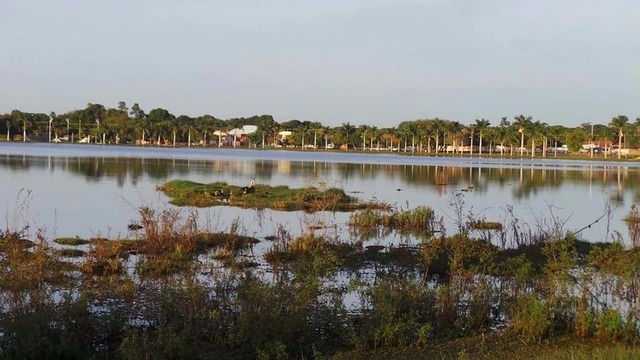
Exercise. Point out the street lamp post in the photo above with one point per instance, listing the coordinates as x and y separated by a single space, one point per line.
50 121
521 131
591 139
364 140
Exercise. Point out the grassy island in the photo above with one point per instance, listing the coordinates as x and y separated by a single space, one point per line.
189 193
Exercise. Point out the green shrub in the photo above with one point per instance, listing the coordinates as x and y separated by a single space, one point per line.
609 325
531 318
401 314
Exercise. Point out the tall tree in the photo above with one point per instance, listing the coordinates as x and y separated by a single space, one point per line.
21 118
140 120
160 122
122 106
481 125
501 136
304 129
137 112
618 124
556 133
315 127
522 123
455 129
7 124
364 129
265 127
437 125
346 129
18 117
471 129
536 131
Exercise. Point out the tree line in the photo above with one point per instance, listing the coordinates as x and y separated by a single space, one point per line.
520 134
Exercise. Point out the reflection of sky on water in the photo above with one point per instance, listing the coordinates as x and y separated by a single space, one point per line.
94 190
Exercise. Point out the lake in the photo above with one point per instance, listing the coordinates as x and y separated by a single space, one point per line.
92 190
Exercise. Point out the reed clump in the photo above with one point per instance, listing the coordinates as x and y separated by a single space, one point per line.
485 225
420 220
105 258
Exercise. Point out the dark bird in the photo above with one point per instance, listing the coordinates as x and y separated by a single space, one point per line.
134 226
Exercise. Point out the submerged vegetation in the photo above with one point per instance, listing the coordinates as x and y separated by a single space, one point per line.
180 291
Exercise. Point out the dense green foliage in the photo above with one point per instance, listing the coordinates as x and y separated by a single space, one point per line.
159 127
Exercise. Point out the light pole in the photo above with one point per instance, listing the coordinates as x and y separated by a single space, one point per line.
67 129
364 139
97 136
591 139
521 131
50 120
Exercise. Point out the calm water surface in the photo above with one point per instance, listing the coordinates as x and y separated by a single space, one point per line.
87 190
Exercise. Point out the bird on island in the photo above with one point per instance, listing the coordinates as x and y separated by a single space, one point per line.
134 226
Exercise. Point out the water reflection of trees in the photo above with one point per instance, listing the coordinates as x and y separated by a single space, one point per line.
523 182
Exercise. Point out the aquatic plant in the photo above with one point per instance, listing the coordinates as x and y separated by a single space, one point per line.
370 222
72 241
317 296
189 193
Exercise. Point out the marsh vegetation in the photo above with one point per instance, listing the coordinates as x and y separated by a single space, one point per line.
178 290
309 198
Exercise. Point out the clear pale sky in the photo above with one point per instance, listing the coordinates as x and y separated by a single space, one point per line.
375 62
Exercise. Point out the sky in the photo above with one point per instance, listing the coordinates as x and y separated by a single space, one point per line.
375 62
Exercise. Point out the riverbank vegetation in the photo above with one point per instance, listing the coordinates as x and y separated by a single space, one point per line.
179 291
517 136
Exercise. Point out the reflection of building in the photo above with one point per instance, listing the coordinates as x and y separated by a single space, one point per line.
284 167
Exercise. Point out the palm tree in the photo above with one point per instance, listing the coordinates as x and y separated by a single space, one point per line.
315 126
480 126
618 124
374 134
409 129
326 131
556 132
501 136
426 134
472 131
454 129
264 128
346 129
304 128
19 116
414 130
536 130
437 125
489 135
522 123
364 129
389 135
403 133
